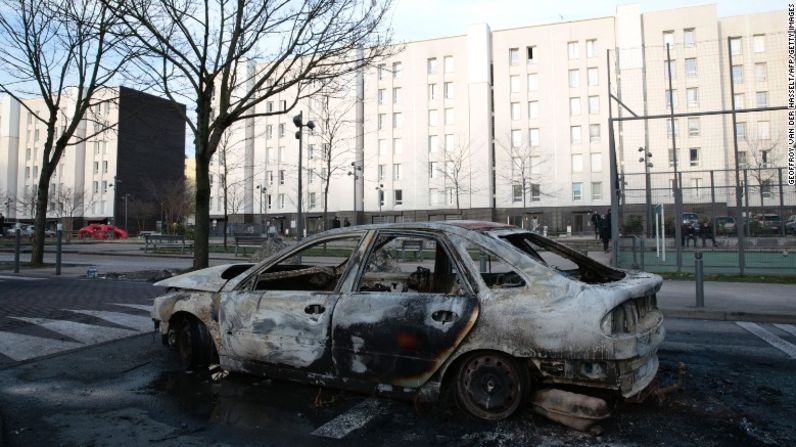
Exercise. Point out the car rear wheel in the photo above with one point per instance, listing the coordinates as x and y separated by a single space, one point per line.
192 341
491 385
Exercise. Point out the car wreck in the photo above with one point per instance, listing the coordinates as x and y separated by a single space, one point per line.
490 312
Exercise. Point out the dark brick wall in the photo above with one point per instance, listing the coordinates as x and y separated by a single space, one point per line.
151 153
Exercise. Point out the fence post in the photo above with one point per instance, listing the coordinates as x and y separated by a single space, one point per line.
781 205
712 202
17 243
59 233
740 222
700 277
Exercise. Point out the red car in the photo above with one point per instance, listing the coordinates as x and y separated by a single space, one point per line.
101 231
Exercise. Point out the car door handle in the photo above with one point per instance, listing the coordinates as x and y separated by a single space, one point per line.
314 309
444 316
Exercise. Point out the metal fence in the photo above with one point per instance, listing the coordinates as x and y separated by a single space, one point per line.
698 133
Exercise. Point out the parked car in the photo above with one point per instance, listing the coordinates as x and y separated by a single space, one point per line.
725 225
790 225
769 224
489 311
691 218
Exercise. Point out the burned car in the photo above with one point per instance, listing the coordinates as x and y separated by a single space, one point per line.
488 311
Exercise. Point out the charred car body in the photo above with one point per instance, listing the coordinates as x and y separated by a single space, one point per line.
488 311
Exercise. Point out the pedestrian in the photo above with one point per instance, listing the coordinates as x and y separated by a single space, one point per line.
336 222
2 225
346 223
595 222
706 232
535 224
605 230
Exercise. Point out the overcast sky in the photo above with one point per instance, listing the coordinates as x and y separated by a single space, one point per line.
425 19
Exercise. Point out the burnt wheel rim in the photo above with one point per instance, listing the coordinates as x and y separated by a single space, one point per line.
489 387
185 344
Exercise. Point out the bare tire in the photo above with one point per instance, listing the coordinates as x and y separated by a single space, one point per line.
491 386
192 341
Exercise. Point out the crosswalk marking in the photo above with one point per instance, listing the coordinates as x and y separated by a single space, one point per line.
136 322
146 307
20 278
768 337
23 347
355 418
82 332
789 328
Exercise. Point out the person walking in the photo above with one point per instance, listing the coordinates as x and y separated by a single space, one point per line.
605 230
595 222
706 232
2 225
346 222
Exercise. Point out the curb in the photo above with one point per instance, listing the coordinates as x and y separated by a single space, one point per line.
692 313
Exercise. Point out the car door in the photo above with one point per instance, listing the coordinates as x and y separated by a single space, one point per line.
281 315
405 311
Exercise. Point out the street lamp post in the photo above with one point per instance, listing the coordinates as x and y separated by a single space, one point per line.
262 189
645 158
380 198
354 176
126 196
298 120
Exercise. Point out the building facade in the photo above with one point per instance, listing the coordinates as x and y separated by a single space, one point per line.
510 124
127 153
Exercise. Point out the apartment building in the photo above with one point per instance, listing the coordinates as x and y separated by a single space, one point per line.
129 148
510 124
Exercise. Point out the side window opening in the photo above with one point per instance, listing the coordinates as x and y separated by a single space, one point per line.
316 268
496 272
410 264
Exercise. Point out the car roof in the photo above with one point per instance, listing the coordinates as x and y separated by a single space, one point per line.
454 226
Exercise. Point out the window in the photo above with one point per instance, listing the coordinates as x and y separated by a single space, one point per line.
742 159
281 176
690 67
396 95
514 56
382 73
431 65
516 138
592 77
693 156
577 191
450 117
433 118
740 130
105 166
739 100
689 39
380 172
671 158
761 72
433 143
514 83
692 96
449 90
283 105
533 109
433 166
398 197
574 78
735 46
574 106
594 105
737 74
269 106
533 82
577 163
530 54
310 151
27 175
432 92
669 127
268 201
761 99
696 184
516 193
574 134
397 146
596 162
27 154
668 38
396 171
311 200
515 111
396 70
397 120
763 130
596 190
281 200
759 43
594 133
671 96
381 96
381 197
281 130
666 65
96 167
95 184
536 192
693 127
449 64
269 176
269 131
104 186
382 148
591 48
533 137
572 50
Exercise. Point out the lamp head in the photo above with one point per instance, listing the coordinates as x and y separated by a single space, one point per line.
310 125
297 120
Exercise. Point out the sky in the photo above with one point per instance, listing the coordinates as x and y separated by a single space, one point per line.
427 19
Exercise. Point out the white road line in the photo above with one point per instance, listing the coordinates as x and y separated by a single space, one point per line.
82 332
146 307
768 337
789 328
356 417
23 347
20 278
136 322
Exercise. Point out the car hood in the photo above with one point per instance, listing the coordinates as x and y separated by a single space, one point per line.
211 279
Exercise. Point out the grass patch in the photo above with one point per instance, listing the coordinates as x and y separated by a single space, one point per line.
770 279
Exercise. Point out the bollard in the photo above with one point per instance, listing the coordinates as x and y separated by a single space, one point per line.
18 230
700 279
59 233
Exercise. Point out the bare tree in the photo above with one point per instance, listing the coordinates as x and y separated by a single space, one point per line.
763 155
522 172
334 125
63 52
457 171
65 203
202 52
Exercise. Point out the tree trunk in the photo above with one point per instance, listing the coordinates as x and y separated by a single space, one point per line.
326 204
42 194
202 224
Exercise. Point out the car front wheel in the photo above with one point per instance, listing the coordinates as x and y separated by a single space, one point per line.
192 341
491 385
